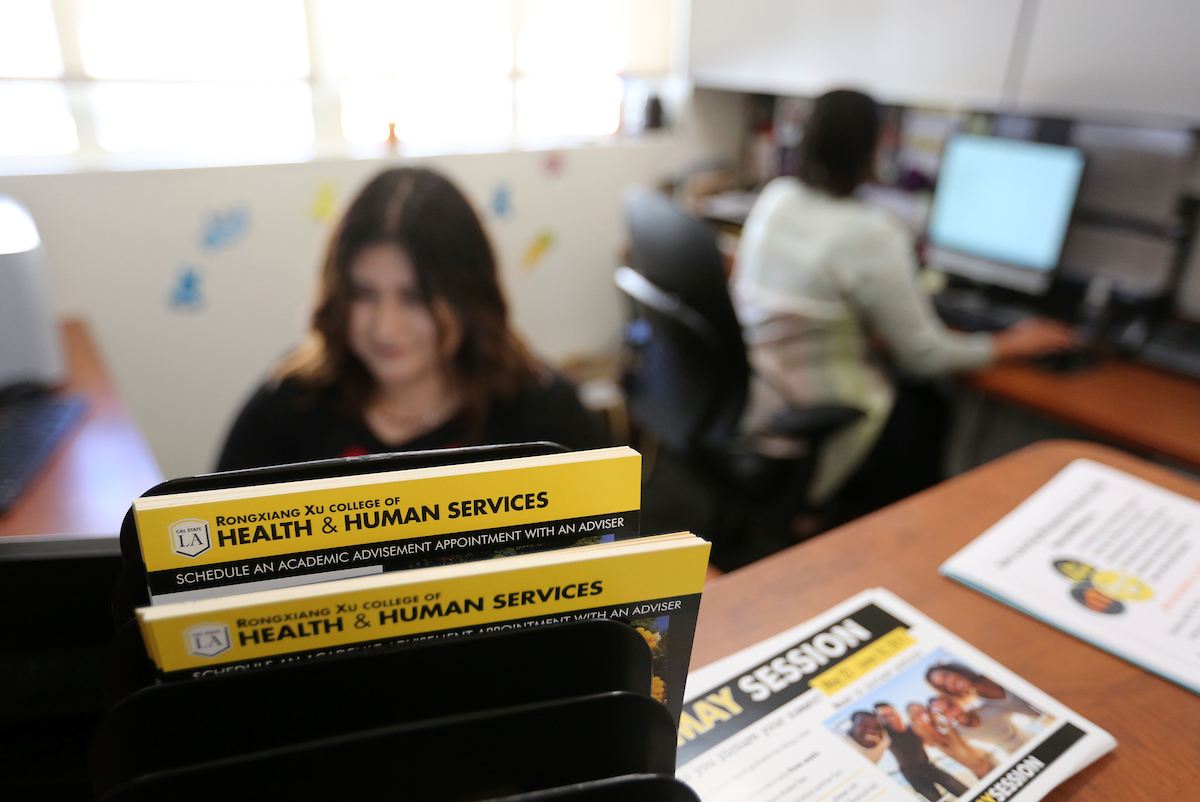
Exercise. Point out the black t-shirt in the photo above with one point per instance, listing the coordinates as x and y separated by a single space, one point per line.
908 748
281 423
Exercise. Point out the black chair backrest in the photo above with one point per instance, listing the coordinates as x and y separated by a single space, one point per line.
689 379
678 253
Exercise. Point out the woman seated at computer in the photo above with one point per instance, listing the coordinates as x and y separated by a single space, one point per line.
826 287
410 346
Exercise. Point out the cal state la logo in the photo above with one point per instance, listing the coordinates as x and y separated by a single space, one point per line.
207 640
189 537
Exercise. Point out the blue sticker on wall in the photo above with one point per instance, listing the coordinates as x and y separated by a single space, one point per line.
225 229
187 293
501 204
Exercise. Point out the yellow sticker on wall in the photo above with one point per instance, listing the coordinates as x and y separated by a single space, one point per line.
537 249
324 205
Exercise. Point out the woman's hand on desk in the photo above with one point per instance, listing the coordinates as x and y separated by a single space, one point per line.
1034 337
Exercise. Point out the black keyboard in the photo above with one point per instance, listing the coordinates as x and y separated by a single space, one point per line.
1174 347
970 312
29 431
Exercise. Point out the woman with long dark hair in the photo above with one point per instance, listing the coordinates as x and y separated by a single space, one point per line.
825 287
410 346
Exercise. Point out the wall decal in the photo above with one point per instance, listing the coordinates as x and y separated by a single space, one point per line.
187 292
227 228
537 249
501 203
554 163
324 204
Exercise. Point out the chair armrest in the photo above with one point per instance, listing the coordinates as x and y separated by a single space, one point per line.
668 304
816 421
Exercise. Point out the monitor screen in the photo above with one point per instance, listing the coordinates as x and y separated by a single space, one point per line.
1004 200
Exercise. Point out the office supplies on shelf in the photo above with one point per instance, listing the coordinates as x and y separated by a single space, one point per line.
30 429
878 699
730 207
1105 556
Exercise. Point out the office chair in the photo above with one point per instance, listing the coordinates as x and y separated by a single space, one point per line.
687 380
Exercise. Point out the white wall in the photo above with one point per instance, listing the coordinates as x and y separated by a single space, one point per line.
117 241
1110 60
1113 59
936 52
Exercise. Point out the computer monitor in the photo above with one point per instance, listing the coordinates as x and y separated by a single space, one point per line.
1001 209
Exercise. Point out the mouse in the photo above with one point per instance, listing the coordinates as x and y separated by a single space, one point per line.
1066 361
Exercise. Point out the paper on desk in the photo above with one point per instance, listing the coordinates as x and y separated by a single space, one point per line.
794 718
1105 556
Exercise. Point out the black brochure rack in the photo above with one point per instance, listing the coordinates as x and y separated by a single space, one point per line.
560 712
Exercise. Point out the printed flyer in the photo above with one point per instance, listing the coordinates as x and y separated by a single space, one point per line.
1105 556
874 701
210 543
652 583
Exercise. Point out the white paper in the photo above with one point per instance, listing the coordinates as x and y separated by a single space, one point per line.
1106 556
765 725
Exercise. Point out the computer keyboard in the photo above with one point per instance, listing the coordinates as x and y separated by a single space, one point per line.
969 311
29 431
1175 348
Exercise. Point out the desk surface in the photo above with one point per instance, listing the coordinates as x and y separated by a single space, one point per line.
1148 410
900 548
100 467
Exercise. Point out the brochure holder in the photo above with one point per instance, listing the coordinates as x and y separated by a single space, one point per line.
246 711
561 712
630 788
469 757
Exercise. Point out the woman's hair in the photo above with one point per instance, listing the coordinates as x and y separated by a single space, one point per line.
426 216
837 151
971 676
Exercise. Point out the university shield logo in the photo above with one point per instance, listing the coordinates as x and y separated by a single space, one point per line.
189 537
207 640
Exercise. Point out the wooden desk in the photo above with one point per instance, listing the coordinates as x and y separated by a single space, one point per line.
1147 410
900 547
83 493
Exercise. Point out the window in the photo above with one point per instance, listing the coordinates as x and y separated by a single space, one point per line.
212 40
437 71
569 54
29 41
37 119
35 116
235 120
237 80
222 78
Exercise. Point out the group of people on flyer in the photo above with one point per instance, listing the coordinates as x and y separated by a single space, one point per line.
968 707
